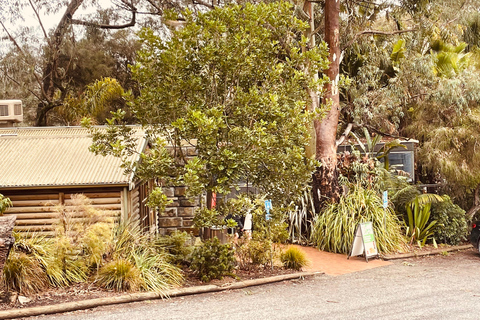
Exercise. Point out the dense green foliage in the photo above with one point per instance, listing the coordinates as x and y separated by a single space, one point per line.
334 228
178 245
422 84
213 260
451 225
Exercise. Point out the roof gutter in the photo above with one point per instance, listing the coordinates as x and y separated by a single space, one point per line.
69 186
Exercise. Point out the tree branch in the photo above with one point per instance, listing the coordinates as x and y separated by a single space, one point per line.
203 3
106 26
376 32
153 4
15 43
476 203
384 133
39 20
18 83
344 134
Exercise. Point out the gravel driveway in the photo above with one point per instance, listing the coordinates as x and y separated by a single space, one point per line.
439 287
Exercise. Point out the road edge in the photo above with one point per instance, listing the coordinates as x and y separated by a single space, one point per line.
143 296
425 253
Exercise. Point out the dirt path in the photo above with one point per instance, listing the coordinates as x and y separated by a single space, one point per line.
337 264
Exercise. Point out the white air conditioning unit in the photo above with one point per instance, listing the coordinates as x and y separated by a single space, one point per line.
11 111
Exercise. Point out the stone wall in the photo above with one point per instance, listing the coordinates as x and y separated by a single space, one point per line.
179 214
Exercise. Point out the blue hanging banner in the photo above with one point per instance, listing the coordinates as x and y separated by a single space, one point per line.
268 207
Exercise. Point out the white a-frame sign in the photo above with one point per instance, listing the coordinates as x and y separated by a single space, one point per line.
364 241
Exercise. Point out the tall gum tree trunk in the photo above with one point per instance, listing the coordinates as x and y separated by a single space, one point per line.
325 178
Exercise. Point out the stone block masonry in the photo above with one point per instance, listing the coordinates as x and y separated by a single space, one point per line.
179 214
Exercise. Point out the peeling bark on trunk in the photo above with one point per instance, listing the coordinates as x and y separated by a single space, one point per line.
314 99
6 238
325 179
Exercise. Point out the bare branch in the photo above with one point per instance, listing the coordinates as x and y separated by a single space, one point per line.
344 134
153 4
18 83
39 20
106 26
203 3
376 32
11 38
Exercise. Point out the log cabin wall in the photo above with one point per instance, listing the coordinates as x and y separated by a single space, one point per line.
35 209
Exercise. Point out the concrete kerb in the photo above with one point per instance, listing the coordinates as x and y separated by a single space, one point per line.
425 253
142 296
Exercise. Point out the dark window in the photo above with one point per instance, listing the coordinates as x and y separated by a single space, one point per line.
17 109
3 110
402 161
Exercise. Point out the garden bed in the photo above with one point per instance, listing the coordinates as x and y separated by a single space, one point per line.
86 291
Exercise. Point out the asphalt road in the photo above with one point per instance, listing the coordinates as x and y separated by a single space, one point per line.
441 287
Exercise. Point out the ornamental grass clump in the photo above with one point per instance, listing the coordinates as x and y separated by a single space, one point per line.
23 273
334 228
294 258
87 246
120 275
137 263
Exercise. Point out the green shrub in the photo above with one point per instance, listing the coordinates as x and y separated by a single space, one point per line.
24 273
177 245
334 228
294 258
5 203
253 253
212 260
120 275
451 225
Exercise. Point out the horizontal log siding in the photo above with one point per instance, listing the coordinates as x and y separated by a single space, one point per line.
36 212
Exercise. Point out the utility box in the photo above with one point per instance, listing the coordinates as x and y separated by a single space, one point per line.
11 112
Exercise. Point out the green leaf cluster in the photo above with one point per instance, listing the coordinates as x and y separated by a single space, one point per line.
5 203
419 228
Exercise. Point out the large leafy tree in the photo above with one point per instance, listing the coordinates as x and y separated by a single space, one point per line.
233 82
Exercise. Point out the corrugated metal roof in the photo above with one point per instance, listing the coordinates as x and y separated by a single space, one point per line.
57 156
